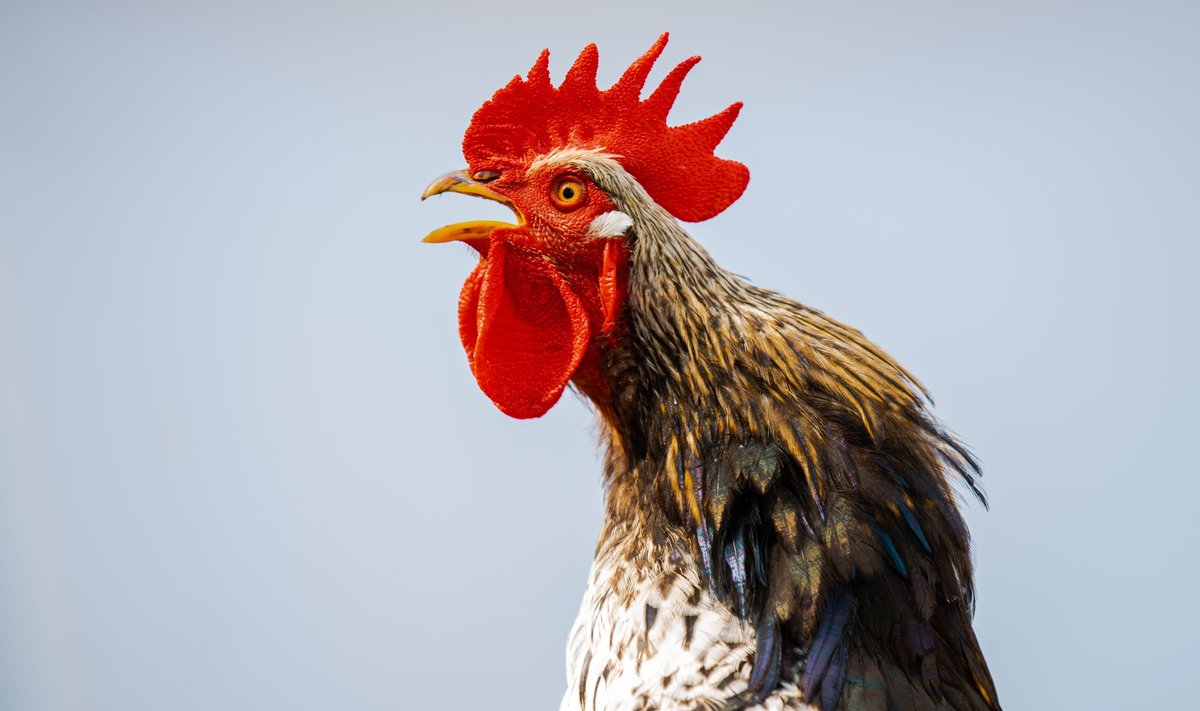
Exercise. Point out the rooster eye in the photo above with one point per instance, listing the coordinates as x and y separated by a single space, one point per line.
569 193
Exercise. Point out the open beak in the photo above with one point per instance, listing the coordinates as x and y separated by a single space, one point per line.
460 181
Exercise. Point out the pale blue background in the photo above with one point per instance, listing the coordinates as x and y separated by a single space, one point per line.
243 464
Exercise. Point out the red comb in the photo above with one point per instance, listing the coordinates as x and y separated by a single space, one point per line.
675 165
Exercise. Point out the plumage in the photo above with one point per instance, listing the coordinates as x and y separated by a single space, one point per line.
781 529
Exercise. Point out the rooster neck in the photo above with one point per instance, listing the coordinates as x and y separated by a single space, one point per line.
682 334
669 376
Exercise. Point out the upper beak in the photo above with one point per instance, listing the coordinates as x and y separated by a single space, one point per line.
460 181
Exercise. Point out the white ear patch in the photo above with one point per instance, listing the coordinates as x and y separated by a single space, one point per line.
610 224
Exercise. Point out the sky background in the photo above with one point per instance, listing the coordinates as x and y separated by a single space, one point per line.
244 465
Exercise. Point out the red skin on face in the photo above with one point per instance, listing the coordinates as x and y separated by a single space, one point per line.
544 299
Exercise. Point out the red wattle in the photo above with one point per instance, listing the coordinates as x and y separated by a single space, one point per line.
523 328
614 273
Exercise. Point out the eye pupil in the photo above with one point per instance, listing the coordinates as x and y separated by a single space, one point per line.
568 193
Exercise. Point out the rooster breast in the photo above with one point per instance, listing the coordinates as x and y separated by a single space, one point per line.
650 635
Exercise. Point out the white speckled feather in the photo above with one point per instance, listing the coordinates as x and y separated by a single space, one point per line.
689 652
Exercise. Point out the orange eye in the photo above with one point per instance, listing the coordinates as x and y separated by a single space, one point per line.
569 193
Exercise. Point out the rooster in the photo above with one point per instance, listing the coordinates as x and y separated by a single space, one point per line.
779 529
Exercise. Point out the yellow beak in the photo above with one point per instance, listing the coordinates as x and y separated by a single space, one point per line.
460 182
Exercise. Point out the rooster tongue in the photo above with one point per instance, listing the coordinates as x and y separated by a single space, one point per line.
524 328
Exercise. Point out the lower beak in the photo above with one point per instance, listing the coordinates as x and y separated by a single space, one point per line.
460 182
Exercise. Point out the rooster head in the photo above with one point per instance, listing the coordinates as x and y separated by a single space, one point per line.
577 166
